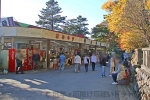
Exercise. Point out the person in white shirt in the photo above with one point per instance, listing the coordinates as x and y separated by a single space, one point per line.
86 62
77 61
93 60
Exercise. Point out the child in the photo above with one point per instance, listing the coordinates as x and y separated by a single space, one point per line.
86 62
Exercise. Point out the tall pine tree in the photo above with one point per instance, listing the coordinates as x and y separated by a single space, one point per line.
76 26
50 17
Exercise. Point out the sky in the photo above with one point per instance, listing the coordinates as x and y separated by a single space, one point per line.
27 11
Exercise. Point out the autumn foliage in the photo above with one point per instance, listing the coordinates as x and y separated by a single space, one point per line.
128 19
108 5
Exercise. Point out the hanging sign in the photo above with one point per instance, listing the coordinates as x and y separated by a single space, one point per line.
8 21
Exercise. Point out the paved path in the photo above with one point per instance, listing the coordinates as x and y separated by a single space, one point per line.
52 85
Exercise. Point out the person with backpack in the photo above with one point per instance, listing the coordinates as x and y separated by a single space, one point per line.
86 62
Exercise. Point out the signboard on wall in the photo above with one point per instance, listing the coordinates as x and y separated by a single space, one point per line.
8 21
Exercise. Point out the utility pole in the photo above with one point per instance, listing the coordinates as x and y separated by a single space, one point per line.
0 11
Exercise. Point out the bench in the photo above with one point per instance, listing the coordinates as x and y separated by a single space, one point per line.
126 79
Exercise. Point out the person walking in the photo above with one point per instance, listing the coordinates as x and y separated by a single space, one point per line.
86 62
104 63
77 61
62 62
93 60
19 58
36 59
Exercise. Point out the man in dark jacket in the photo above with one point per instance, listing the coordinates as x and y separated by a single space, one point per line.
36 59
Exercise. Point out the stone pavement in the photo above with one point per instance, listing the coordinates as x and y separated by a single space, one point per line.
52 85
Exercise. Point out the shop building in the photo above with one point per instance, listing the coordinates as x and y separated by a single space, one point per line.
16 35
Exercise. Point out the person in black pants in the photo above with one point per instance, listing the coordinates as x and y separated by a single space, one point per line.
104 63
19 58
93 60
86 62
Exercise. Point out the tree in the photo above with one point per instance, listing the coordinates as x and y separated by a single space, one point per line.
128 17
50 17
128 42
101 33
108 5
76 26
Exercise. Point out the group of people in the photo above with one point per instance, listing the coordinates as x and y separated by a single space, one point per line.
77 62
93 59
20 58
117 68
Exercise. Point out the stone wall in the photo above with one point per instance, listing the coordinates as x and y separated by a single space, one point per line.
133 86
140 75
143 83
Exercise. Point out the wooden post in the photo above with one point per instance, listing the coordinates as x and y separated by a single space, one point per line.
41 45
12 42
29 44
2 42
80 48
95 49
48 53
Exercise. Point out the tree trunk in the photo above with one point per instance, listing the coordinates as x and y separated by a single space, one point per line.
52 23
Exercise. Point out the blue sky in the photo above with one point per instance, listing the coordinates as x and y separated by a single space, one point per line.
27 10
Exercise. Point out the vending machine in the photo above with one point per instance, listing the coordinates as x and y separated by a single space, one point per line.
11 60
25 61
29 57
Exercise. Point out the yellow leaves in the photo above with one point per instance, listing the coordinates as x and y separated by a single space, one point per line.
147 4
130 41
108 5
115 17
127 19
